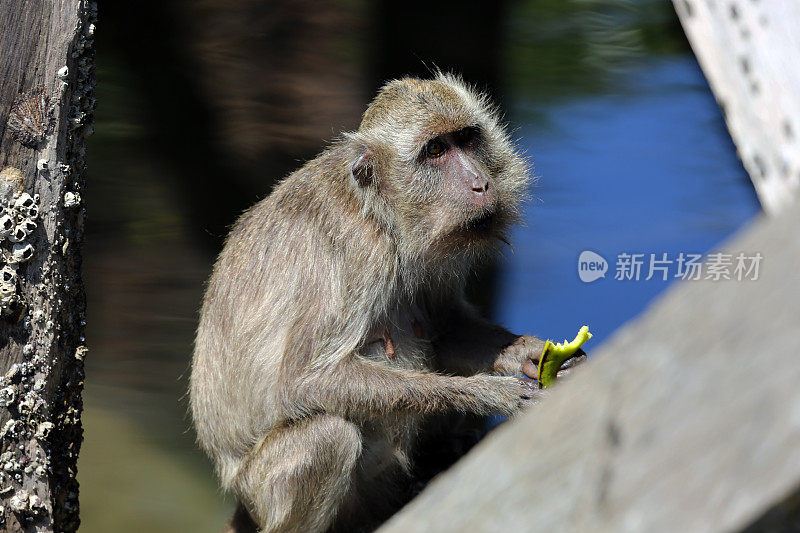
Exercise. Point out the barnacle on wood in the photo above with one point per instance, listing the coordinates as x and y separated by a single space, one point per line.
31 117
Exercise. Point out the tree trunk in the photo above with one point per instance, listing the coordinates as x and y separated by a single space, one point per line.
46 106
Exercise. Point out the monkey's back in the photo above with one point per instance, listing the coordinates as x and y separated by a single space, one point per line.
288 265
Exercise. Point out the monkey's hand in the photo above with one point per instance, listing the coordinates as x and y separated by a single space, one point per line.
514 394
554 355
524 354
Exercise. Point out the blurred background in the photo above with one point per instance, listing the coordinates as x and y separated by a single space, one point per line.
204 104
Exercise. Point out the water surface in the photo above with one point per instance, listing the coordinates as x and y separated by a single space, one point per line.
650 170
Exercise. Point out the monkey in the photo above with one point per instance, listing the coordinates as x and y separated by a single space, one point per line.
335 336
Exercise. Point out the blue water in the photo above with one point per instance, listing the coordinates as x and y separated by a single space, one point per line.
652 170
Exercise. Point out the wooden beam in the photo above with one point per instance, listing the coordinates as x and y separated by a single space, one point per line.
688 419
748 51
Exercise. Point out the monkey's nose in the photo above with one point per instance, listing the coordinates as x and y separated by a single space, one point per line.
480 187
482 195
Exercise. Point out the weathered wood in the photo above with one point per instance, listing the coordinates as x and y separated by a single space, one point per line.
749 52
686 420
46 54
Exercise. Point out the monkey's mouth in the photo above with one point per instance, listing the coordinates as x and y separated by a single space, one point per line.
481 224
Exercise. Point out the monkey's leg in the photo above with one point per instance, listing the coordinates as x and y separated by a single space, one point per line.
240 522
442 440
297 477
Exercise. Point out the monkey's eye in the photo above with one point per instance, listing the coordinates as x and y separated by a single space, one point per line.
467 136
435 148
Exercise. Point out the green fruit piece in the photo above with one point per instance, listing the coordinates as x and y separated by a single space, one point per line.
554 355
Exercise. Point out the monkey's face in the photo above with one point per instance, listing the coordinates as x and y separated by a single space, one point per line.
453 192
443 171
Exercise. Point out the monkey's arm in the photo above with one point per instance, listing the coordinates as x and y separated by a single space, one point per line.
467 344
358 388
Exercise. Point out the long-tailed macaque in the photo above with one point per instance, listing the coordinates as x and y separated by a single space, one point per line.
335 339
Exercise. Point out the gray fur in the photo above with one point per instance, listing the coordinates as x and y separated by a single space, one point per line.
310 417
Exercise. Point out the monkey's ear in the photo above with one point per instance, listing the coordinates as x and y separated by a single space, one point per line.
362 170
